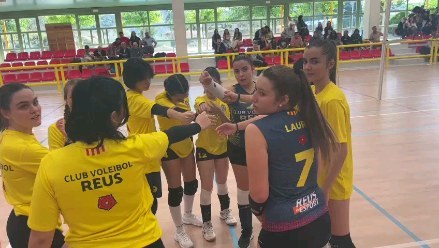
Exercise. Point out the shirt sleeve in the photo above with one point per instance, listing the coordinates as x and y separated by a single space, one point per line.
198 102
56 138
336 116
154 145
31 157
44 210
142 107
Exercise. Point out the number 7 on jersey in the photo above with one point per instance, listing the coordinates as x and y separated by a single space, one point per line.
308 156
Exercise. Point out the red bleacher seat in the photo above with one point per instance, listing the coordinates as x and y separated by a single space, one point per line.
55 61
49 76
101 71
410 37
9 78
17 64
23 56
277 39
23 77
249 49
222 64
241 50
366 54
169 68
376 53
58 54
345 55
247 42
35 77
35 55
355 55
11 57
29 63
80 52
276 60
42 62
184 67
171 55
308 38
160 69
74 74
66 61
269 60
70 54
427 36
46 55
5 65
86 73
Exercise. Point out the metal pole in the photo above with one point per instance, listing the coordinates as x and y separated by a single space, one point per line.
384 49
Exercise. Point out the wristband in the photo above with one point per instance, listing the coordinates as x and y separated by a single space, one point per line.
257 208
216 89
239 97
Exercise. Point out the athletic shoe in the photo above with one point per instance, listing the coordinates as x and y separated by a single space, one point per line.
192 219
245 239
227 216
208 233
182 238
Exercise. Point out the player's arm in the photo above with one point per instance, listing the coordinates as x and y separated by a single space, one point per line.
257 165
231 128
184 116
41 239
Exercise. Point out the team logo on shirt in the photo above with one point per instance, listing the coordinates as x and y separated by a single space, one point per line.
302 140
95 151
306 203
106 202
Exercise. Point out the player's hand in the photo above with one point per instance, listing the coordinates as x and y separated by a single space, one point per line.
205 78
205 120
230 97
204 107
213 108
61 125
186 117
226 129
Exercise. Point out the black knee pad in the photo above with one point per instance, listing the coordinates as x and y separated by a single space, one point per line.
190 188
175 196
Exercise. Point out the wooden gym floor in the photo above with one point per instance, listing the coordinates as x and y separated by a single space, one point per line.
396 200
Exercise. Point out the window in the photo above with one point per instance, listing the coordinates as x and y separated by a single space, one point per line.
89 32
234 17
29 34
207 27
276 19
9 35
108 28
191 30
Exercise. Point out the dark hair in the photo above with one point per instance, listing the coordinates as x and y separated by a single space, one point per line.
176 84
86 47
298 65
94 100
68 87
293 83
7 91
213 72
330 50
136 70
243 57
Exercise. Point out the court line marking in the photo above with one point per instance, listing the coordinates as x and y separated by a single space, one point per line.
401 226
411 244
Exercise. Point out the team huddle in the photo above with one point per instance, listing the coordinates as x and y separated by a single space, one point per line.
288 143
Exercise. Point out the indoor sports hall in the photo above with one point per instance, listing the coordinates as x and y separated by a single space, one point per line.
390 77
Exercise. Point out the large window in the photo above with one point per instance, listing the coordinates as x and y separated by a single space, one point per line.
259 18
9 35
349 16
190 17
234 17
207 27
88 29
135 21
29 34
107 23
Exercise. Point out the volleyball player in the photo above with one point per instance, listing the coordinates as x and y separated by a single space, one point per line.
20 156
98 183
211 156
137 75
179 160
320 69
57 136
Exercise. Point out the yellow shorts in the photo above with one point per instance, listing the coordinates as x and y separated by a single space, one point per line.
343 186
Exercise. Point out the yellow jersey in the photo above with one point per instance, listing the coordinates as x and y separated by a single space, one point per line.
185 147
334 106
100 191
141 119
56 137
209 139
20 157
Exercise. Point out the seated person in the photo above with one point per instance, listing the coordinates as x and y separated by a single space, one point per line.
100 54
124 52
88 56
297 41
136 51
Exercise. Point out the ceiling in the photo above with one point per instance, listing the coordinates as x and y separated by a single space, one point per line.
23 5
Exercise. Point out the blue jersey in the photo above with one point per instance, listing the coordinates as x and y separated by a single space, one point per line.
295 199
240 111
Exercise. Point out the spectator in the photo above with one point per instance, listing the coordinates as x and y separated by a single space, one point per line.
149 44
88 56
136 51
375 36
328 30
226 39
302 28
220 48
345 39
215 37
259 34
288 33
319 29
428 28
335 37
123 38
124 52
100 54
400 31
134 38
297 41
237 39
258 60
356 37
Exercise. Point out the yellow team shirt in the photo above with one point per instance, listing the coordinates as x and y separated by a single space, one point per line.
209 139
334 106
56 138
101 192
20 156
185 147
141 119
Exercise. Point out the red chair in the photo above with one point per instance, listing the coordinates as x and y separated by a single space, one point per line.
241 50
427 36
48 76
70 54
101 71
298 56
247 42
171 55
9 78
277 39
46 55
160 69
276 60
355 55
87 73
42 62
35 55
23 78
390 53
35 77
29 63
249 49
308 38
11 57
269 60
23 56
17 64
74 74
376 53
55 61
366 54
80 53
345 55
169 68
58 54
184 67
5 65
222 64
66 61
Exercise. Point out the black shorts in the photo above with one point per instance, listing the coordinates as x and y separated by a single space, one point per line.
236 154
170 155
155 183
202 155
19 233
314 235
157 244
